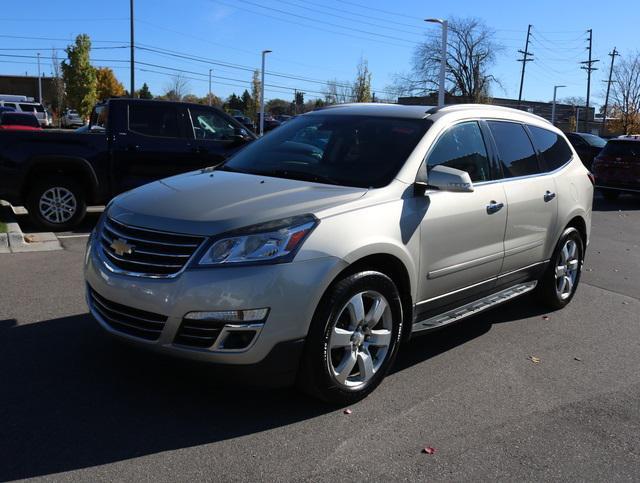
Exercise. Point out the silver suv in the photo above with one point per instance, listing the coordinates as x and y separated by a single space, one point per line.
313 253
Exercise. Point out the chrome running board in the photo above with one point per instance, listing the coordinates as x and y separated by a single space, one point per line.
473 308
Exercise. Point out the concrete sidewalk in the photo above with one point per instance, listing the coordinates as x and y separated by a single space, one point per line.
14 241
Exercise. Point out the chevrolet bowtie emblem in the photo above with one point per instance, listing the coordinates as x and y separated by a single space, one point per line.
121 247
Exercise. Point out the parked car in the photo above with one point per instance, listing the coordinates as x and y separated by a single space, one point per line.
34 108
269 123
245 121
130 143
588 146
71 119
617 167
282 118
18 121
295 262
6 109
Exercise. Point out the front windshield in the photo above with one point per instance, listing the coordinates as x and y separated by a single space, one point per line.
595 141
360 151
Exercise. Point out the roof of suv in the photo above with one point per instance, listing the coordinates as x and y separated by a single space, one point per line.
422 112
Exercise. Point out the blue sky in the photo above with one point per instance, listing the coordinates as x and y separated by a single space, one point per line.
315 40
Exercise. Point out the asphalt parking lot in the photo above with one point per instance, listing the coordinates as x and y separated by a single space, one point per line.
77 405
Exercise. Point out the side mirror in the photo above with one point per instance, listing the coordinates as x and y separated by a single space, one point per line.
445 178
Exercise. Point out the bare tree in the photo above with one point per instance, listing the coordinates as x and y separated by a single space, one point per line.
177 88
338 92
58 86
625 94
471 51
362 84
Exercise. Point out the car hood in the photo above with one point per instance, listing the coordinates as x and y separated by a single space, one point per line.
209 202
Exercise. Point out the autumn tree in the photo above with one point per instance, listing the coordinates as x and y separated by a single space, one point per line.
80 76
625 94
471 52
255 95
362 84
107 85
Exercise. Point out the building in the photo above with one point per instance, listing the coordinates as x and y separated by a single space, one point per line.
23 85
566 114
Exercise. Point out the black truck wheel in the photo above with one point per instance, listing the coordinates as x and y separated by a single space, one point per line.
57 203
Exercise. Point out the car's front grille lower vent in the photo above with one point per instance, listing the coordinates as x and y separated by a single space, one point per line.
146 252
138 323
198 333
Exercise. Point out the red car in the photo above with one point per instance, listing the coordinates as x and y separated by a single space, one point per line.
19 121
617 167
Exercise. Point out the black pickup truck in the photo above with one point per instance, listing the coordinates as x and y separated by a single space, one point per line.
129 142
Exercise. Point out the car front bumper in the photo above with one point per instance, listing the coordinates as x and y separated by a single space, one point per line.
291 291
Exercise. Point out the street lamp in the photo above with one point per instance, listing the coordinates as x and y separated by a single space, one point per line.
210 99
264 54
553 107
443 54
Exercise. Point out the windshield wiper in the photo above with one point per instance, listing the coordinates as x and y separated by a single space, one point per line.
300 175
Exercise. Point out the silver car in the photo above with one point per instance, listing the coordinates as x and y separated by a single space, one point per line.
314 252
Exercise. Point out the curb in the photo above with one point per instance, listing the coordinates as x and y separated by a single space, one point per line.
17 242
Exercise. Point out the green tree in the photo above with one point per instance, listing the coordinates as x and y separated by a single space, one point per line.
234 102
277 107
248 105
362 85
144 92
255 94
80 76
107 85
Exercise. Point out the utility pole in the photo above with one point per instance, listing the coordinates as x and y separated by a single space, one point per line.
132 46
589 68
39 81
525 58
210 101
613 56
553 108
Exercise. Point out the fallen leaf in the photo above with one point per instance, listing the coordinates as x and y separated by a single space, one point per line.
428 450
534 359
545 317
577 359
29 238
347 411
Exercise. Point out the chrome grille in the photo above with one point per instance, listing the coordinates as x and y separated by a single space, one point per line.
152 253
138 323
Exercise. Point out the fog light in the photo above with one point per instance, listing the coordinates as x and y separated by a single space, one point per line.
230 316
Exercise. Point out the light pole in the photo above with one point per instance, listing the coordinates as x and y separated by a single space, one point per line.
39 81
443 55
264 54
553 107
210 87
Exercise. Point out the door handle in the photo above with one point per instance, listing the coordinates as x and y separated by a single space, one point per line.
494 207
548 196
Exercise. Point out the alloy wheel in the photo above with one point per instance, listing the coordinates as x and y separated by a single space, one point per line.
360 339
57 205
567 266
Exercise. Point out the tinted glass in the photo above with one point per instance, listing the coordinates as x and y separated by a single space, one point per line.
10 104
622 148
17 119
154 120
31 107
362 151
208 124
515 149
99 117
593 140
462 147
552 147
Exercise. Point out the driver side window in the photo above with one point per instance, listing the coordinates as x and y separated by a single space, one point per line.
209 125
462 147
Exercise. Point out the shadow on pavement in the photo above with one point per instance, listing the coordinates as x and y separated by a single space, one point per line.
625 202
74 398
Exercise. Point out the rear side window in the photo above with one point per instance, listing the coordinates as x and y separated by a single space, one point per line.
154 120
462 147
515 149
551 146
621 148
9 104
17 119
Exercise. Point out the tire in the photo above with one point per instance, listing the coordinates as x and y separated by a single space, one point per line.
340 337
557 286
610 195
56 203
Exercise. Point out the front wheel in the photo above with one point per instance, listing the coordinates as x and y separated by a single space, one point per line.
558 285
353 339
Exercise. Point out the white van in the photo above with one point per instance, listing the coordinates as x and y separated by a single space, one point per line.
34 108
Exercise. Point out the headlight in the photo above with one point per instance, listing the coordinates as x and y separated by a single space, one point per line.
268 243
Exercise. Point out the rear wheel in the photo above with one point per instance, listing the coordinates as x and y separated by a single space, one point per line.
56 204
558 285
353 339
